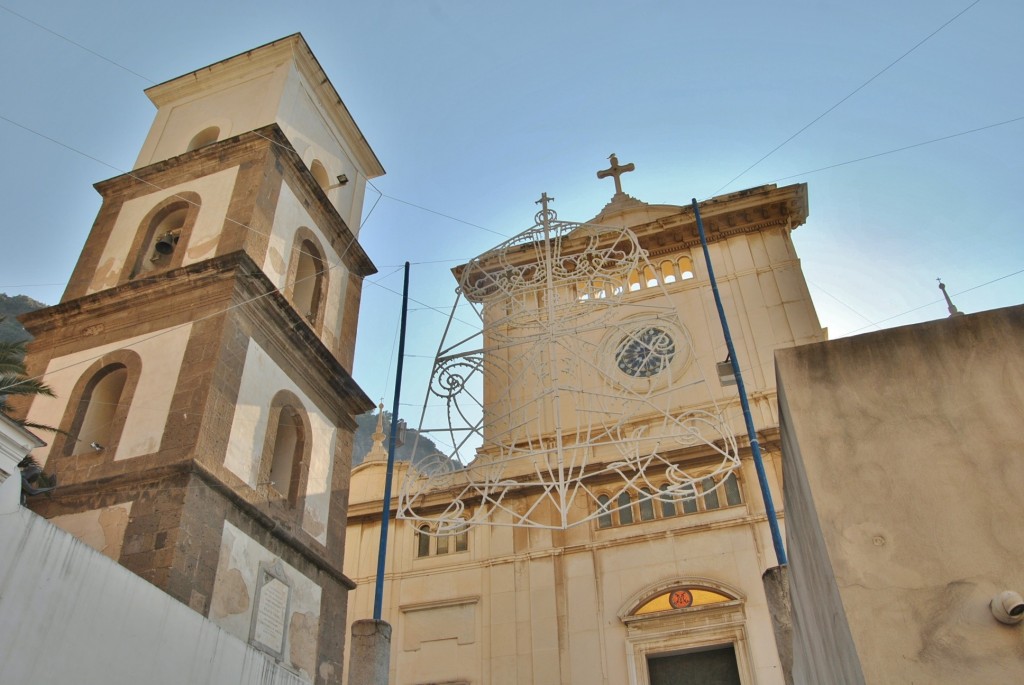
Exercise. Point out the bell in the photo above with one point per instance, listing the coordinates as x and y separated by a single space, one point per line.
165 245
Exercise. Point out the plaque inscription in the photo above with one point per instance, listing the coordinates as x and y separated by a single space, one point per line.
271 614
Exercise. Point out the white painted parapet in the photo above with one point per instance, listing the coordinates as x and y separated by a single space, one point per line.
72 615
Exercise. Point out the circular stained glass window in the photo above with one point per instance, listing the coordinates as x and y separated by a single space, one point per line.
645 352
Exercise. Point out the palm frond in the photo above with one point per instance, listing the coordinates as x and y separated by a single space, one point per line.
12 357
17 384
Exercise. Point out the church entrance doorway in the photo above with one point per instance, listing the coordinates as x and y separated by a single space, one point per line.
713 666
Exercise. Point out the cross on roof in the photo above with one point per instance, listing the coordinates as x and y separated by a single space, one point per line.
543 201
615 171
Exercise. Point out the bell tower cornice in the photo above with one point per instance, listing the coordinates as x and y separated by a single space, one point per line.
234 151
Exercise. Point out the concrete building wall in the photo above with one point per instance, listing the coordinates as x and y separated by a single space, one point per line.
903 476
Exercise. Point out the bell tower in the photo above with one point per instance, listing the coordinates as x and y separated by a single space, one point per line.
201 355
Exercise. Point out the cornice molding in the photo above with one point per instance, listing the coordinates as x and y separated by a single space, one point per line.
232 152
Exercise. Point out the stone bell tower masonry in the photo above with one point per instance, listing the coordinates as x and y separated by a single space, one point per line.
201 355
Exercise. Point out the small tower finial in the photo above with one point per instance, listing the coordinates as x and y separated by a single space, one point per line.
377 451
953 311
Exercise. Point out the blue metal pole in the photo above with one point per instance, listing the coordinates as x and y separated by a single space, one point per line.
755 445
385 513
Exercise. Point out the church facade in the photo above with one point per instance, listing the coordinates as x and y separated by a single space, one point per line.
201 355
643 584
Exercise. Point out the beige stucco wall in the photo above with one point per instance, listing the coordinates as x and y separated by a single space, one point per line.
262 378
903 476
542 606
102 529
766 301
161 352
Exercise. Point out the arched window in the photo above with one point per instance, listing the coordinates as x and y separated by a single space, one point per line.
634 281
308 281
422 542
308 278
668 272
164 239
685 595
668 504
687 630
732 490
443 544
97 409
162 236
646 505
462 540
689 499
204 137
289 446
650 277
320 174
686 267
604 517
710 494
286 449
626 508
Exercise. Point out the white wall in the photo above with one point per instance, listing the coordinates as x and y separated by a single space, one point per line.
215 193
262 378
291 214
234 597
241 104
161 352
72 615
313 137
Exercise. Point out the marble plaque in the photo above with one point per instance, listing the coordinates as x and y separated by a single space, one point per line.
270 620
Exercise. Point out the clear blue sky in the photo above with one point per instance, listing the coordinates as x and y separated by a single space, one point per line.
475 108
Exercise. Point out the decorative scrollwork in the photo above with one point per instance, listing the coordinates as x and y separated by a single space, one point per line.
583 383
451 375
552 256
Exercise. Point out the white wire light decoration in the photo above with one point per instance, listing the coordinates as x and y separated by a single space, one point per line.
582 382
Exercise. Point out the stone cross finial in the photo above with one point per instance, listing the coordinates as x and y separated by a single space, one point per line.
615 171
